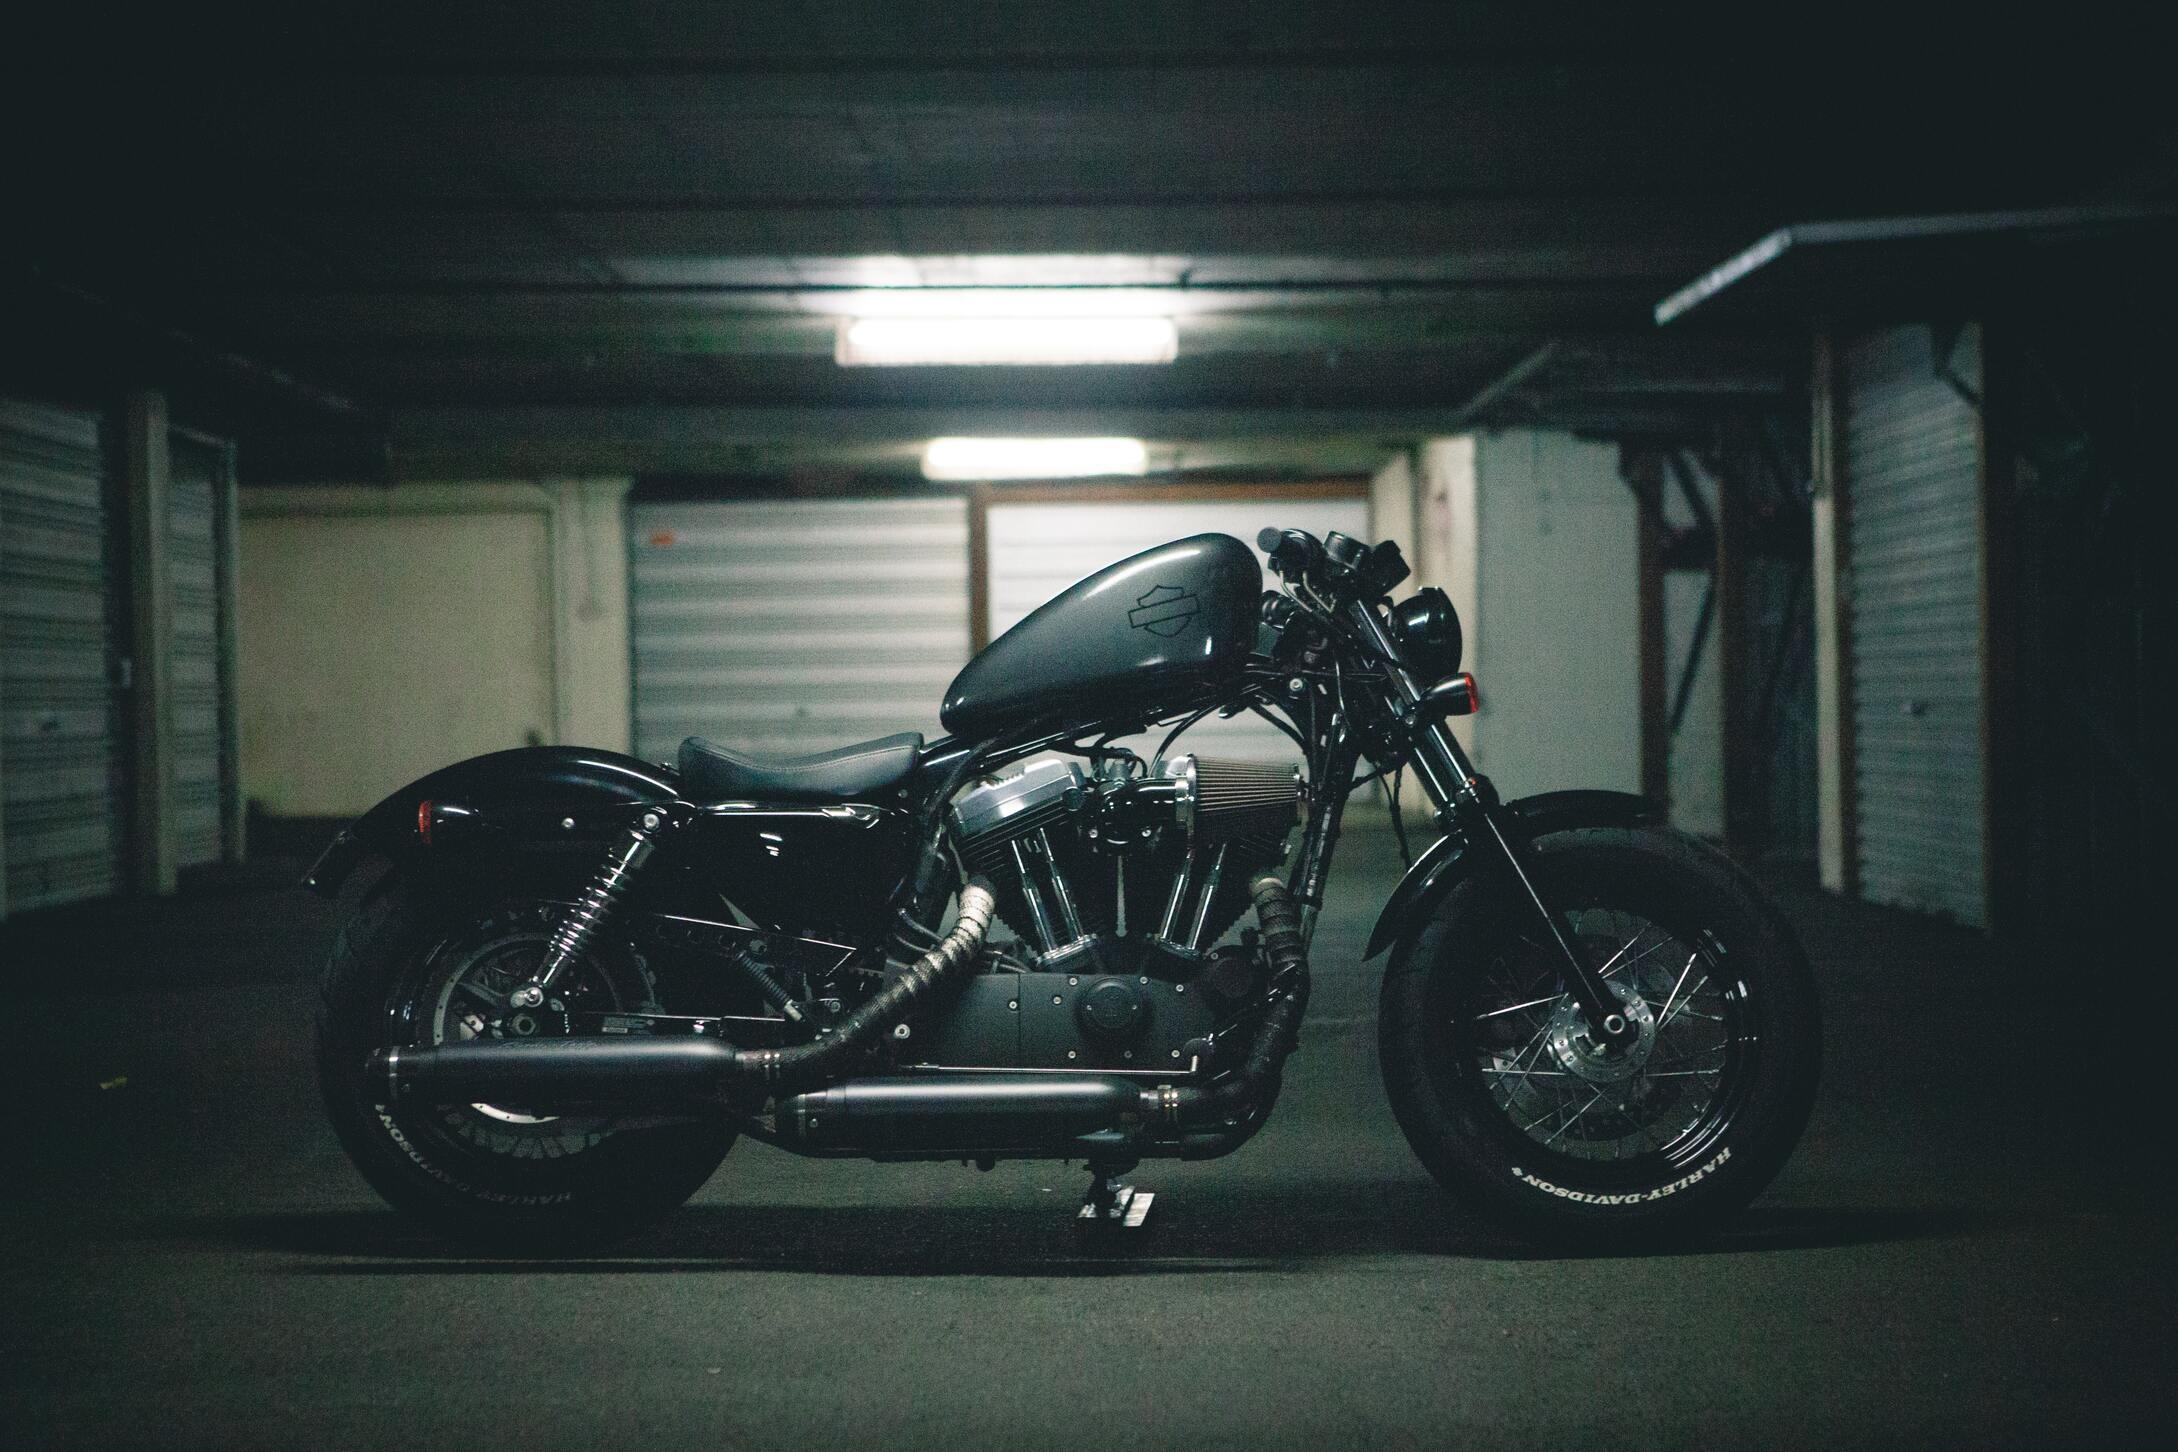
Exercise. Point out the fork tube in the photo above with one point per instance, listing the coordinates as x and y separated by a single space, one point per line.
1464 795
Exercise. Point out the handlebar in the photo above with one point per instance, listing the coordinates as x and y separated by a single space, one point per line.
1342 562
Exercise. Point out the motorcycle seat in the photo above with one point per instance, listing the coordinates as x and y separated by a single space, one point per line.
712 773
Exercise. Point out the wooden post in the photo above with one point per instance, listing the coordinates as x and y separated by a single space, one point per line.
1831 568
152 857
2010 897
1739 682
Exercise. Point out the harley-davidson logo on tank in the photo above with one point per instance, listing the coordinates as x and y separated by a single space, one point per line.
1162 610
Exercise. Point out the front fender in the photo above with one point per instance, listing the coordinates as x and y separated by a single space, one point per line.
1448 860
527 789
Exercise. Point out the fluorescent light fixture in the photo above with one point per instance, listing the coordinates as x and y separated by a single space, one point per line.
950 459
869 342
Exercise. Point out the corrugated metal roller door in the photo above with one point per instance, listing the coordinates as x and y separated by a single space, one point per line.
58 745
1913 474
1038 550
795 625
195 502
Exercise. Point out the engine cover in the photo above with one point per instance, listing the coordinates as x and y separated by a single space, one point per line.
1065 1021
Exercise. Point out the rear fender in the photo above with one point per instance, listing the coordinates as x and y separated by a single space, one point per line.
529 798
1449 860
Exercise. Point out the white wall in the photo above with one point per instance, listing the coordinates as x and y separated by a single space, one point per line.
385 632
1392 506
1541 558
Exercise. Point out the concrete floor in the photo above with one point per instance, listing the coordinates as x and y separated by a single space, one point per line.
1968 1250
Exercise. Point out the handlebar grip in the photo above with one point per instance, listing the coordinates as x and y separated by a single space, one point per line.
1291 551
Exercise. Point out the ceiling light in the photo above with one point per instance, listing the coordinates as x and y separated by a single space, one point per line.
896 341
959 459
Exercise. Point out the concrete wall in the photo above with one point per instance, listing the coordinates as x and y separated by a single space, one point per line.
386 632
1539 552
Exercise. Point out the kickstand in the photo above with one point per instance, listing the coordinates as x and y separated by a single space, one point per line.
1112 1204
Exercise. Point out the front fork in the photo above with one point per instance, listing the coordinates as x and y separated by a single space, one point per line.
1466 801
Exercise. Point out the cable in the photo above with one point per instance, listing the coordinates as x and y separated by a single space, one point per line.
1174 734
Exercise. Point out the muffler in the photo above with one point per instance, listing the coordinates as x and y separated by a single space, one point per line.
959 1114
561 1074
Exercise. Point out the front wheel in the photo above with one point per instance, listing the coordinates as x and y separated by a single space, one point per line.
1517 1110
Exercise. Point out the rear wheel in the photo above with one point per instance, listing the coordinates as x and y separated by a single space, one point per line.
1515 1107
407 970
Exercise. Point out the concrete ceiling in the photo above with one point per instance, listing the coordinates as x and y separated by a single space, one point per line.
460 239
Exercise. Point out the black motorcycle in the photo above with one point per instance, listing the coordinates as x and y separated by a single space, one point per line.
582 975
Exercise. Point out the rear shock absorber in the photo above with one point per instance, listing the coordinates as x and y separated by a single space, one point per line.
576 931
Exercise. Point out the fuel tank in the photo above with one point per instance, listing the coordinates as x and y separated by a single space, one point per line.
1152 629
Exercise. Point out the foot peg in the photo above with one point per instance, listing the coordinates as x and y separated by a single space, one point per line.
1113 1205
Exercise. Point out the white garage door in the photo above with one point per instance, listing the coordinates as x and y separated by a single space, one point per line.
1037 550
60 820
795 625
1913 478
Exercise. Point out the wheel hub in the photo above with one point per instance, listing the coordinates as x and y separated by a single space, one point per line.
1579 1052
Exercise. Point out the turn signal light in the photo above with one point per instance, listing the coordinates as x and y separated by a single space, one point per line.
1454 696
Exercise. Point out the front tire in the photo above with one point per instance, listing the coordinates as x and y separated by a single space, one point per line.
1554 1138
411 968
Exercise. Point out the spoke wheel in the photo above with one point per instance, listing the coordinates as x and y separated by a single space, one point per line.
1518 1109
460 993
1566 1097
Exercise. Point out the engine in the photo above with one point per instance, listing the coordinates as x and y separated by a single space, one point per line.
1112 873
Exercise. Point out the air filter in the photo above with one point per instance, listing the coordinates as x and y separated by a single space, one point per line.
1220 799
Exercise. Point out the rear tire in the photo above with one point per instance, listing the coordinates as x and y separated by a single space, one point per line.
488 1176
1555 1140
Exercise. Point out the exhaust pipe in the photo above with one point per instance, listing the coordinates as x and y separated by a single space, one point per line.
964 1114
1207 1122
634 1072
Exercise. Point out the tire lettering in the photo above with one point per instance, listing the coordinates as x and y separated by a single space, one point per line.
1635 1197
416 1158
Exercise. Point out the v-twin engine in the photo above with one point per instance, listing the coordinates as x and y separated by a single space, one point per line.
1138 873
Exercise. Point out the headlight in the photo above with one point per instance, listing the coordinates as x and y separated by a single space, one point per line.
1429 631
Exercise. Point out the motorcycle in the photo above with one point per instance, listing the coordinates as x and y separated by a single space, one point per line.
580 976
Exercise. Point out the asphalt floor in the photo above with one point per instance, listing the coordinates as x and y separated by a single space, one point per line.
1972 1248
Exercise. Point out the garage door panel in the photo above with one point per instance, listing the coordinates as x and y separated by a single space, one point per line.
796 625
1912 473
59 707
